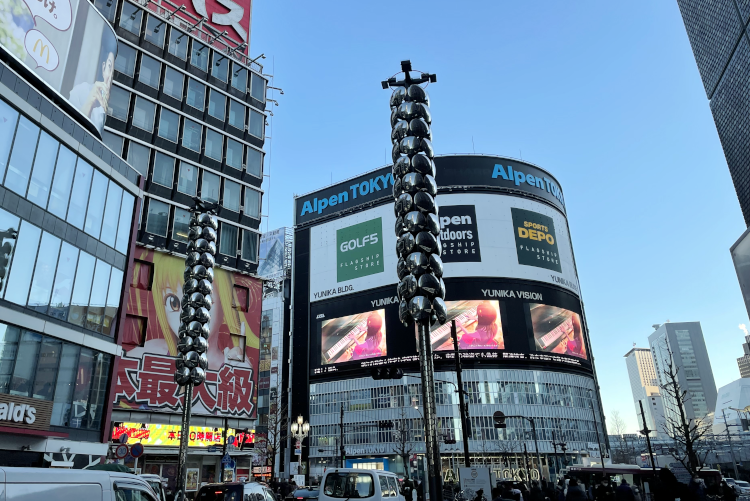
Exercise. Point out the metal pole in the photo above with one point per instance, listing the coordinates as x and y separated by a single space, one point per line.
430 413
187 407
596 426
461 402
341 440
731 448
526 464
646 431
224 448
536 446
557 462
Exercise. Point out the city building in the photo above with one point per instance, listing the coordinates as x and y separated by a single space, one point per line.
743 362
732 407
523 337
187 111
682 345
67 207
645 388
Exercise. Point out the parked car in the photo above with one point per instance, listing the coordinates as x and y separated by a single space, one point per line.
348 483
157 484
33 484
740 486
310 493
235 491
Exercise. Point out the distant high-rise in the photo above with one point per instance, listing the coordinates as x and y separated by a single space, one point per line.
744 361
683 344
645 387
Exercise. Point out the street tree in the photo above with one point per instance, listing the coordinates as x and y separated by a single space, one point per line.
278 421
623 450
402 438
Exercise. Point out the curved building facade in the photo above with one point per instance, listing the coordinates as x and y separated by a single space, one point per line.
512 289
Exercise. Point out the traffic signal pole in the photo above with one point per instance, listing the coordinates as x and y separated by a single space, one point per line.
464 408
341 440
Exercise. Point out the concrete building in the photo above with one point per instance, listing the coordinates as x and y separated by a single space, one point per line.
744 361
733 399
645 387
682 344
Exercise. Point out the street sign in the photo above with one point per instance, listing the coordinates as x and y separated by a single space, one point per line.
231 465
136 450
230 439
211 448
122 451
226 459
124 438
499 419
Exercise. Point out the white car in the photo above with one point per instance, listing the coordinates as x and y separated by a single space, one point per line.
342 484
744 486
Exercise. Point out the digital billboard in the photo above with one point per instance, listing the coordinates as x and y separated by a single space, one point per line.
271 254
483 235
69 45
145 377
478 327
557 330
353 337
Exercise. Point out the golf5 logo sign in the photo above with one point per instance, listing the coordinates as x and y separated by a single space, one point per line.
458 234
535 239
359 250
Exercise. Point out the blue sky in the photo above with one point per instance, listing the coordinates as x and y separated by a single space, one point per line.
605 95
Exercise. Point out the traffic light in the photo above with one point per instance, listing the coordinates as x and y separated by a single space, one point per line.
499 419
387 373
450 441
385 425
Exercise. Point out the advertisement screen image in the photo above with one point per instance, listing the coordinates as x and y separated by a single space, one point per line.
557 330
353 337
69 45
478 327
145 375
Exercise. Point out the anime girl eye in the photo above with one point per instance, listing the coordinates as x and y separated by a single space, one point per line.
171 302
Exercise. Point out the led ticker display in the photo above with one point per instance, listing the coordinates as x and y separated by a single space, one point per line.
169 435
478 327
557 330
354 337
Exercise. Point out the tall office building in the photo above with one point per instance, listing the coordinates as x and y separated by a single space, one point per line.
645 387
682 343
744 361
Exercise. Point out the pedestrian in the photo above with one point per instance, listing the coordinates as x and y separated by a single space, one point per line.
536 493
696 489
624 492
727 491
575 491
637 493
603 491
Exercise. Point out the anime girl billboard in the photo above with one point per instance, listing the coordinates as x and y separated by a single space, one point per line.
145 378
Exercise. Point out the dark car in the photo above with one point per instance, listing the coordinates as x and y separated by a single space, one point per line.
310 493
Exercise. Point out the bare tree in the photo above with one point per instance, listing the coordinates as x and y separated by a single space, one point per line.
623 451
684 432
277 430
402 437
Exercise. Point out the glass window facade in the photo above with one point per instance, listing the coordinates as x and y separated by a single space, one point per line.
173 82
22 157
163 169
191 135
250 246
252 203
113 142
8 121
187 183
232 196
125 62
258 90
155 30
44 168
181 224
130 18
254 162
158 217
169 125
217 103
143 114
210 187
257 124
234 154
138 157
236 114
118 105
178 44
228 240
150 71
214 143
220 67
199 56
239 77
196 94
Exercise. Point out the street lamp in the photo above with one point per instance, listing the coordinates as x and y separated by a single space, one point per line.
300 429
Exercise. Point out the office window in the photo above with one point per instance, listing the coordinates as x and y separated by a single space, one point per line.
44 274
178 43
143 114
158 217
107 8
173 81
46 369
8 120
82 389
254 162
252 203
113 302
138 156
99 288
60 193
111 215
187 182
214 144
220 67
199 56
23 372
239 77
217 103
64 277
256 124
130 19
236 114
196 94
113 142
80 195
231 195
22 264
99 385
155 30
150 71
9 337
65 385
95 211
210 187
181 225
258 90
119 103
163 169
44 166
234 153
22 157
169 125
228 240
125 62
191 135
123 226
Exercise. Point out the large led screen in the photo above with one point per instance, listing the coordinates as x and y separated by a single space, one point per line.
478 327
353 337
557 330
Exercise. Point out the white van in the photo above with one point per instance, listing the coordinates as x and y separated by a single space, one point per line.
340 484
52 484
235 491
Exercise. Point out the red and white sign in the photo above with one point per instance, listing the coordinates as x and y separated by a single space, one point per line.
122 451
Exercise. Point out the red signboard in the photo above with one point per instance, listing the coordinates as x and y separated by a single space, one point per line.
145 376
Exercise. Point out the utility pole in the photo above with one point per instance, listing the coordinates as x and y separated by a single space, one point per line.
646 432
731 448
596 426
341 439
554 445
464 407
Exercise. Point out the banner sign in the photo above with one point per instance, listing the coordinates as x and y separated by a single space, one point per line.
169 435
69 45
271 255
24 412
488 235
